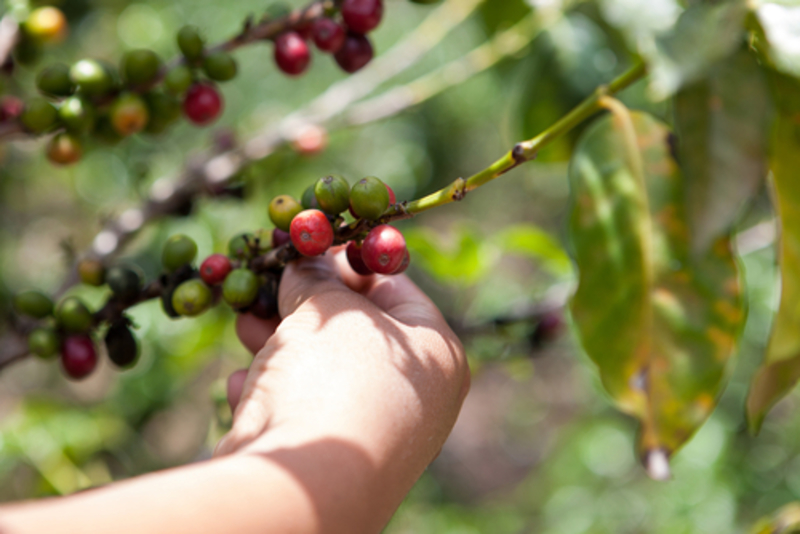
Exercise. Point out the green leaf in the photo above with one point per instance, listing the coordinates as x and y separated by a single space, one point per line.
784 521
660 323
499 15
781 24
530 240
722 123
781 368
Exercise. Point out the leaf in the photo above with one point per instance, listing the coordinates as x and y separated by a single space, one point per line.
784 521
463 260
660 323
499 15
722 123
781 24
781 368
532 241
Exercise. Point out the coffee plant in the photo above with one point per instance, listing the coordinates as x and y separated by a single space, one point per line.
680 151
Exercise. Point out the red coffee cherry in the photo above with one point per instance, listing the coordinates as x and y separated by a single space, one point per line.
384 249
78 356
354 53
215 268
355 259
328 35
404 265
392 198
202 103
311 232
291 53
280 238
362 16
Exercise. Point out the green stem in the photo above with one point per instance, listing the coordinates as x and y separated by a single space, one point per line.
522 152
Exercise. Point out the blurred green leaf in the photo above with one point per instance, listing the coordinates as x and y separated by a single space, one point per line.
530 240
499 15
781 24
722 125
781 368
462 260
784 521
641 21
660 323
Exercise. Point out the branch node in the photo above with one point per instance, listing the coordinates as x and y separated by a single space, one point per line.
459 189
518 153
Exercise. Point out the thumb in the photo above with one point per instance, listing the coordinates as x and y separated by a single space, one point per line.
304 278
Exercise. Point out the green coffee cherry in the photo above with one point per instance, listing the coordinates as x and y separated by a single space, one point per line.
105 132
191 298
91 77
121 346
140 66
73 315
282 210
77 115
333 194
92 272
54 80
33 304
178 80
220 66
39 115
191 43
239 246
264 239
124 282
179 250
309 199
240 288
164 110
45 24
369 198
44 343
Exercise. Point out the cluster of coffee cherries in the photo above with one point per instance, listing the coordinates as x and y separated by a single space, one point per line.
43 26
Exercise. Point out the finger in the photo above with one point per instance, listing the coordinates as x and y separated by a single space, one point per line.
351 279
254 332
305 278
398 296
235 387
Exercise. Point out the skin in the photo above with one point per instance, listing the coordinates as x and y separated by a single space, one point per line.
349 398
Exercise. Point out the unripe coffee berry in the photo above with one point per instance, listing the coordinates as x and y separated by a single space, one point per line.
280 238
369 198
191 43
311 232
355 260
163 109
92 272
140 66
77 115
384 249
362 16
91 77
240 288
124 282
220 66
39 115
191 298
328 35
64 149
202 103
33 304
215 269
291 53
46 25
44 342
179 250
332 193
282 210
241 246
129 114
178 80
55 81
121 345
73 315
309 200
78 356
355 53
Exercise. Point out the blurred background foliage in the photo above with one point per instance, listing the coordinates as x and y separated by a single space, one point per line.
538 447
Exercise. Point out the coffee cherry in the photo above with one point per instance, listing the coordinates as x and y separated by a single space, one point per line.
105 132
262 240
129 114
280 238
178 80
39 115
355 260
191 43
191 298
121 346
282 210
311 232
392 198
333 194
77 115
124 282
215 269
384 249
240 288
163 109
64 149
92 272
11 107
78 356
46 25
309 199
355 53
44 343
202 103
404 264
265 305
369 198
33 304
328 35
310 140
140 66
291 53
220 66
91 77
362 16
179 250
73 315
55 81
240 247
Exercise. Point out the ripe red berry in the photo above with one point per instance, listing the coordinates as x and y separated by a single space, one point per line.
78 356
215 268
291 53
392 198
384 249
280 238
355 260
311 232
354 53
328 35
362 16
11 107
202 103
404 264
